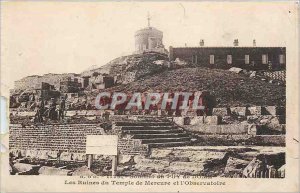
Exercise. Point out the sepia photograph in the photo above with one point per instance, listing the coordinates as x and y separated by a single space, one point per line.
150 94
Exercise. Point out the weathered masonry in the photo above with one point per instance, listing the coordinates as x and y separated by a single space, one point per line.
256 58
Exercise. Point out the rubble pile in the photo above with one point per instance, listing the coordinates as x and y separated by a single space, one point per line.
210 161
139 64
230 89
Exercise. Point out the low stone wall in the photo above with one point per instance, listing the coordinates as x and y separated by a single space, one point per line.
70 138
132 147
232 129
197 120
44 142
224 111
238 140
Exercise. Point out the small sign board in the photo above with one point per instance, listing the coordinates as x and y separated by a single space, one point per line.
102 144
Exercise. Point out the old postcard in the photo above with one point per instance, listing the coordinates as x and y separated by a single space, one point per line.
149 96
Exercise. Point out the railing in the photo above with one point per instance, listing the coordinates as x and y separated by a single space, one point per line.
276 75
269 173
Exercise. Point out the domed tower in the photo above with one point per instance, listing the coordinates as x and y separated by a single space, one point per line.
149 39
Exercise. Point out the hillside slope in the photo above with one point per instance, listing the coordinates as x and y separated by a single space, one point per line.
143 63
230 89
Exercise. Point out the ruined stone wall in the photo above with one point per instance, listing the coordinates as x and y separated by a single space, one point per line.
32 82
132 147
68 138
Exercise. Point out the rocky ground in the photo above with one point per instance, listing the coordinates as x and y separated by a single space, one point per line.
208 161
230 88
205 161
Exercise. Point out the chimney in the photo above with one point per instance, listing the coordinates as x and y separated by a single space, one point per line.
254 43
201 42
236 42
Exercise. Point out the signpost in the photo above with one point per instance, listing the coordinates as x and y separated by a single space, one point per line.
102 145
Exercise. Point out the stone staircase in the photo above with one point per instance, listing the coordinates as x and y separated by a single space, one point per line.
154 132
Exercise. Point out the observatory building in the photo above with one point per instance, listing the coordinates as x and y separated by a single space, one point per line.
149 39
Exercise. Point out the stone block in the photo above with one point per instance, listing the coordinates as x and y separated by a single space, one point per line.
186 167
220 111
179 120
199 155
79 156
124 158
253 128
232 129
31 153
91 118
256 110
160 153
268 120
26 114
12 112
65 156
22 167
83 171
205 120
273 110
273 140
191 113
71 113
280 128
42 155
235 165
54 171
94 113
151 164
240 111
81 112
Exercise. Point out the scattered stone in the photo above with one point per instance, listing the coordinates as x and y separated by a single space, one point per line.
22 167
253 74
254 167
160 153
150 164
272 159
252 129
123 158
83 171
236 70
71 113
273 110
91 118
221 129
45 170
235 165
193 168
220 112
164 63
241 111
180 62
256 110
281 171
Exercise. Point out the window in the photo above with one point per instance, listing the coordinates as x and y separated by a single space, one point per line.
212 59
281 59
247 59
194 59
144 47
265 59
229 59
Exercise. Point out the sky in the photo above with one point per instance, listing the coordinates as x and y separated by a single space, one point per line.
60 37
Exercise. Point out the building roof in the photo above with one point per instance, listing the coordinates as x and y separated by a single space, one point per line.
148 30
197 47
